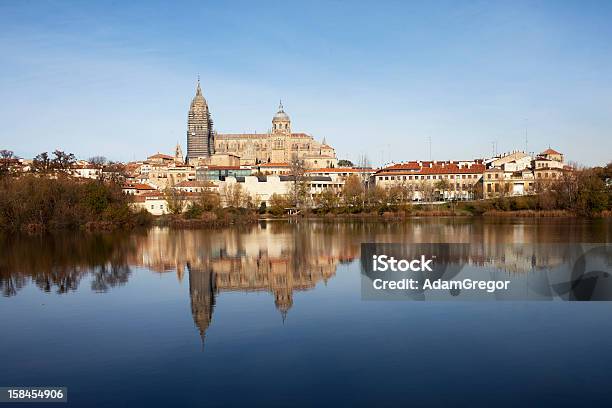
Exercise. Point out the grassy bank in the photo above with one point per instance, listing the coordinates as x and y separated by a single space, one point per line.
214 218
501 207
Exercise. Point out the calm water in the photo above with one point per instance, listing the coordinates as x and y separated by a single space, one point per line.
272 315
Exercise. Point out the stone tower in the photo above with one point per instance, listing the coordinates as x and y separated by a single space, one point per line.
281 122
178 154
200 137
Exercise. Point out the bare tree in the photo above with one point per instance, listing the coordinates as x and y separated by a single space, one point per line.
98 161
363 162
113 171
7 158
175 200
353 192
42 163
299 188
62 161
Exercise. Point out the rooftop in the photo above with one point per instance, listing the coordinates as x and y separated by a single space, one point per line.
273 165
161 156
448 169
340 170
550 151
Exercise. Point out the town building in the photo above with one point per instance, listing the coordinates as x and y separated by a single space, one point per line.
137 189
83 169
219 173
193 186
427 181
518 173
340 174
272 168
261 188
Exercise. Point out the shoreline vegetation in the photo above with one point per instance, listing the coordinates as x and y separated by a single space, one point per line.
51 199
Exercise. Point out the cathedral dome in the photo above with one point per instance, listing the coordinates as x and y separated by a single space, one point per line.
280 115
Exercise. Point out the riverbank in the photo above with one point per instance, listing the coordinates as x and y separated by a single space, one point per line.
37 204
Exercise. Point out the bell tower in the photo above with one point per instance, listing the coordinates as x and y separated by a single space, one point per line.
200 136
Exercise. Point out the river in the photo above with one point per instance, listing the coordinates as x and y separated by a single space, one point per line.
273 314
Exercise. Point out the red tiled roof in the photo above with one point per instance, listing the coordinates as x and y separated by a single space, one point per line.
83 166
550 151
161 156
193 183
448 169
273 165
404 166
143 197
224 168
139 186
339 170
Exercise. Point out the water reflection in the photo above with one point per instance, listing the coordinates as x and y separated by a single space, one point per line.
276 257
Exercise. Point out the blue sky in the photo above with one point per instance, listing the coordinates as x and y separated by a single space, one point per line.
374 78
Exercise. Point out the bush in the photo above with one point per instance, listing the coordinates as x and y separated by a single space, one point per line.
39 203
279 204
193 211
262 208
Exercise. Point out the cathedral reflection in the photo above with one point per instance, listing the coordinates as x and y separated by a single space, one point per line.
268 258
277 257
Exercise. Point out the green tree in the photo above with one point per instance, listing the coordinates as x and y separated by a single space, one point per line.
345 163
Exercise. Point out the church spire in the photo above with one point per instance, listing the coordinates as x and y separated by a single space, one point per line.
198 89
280 105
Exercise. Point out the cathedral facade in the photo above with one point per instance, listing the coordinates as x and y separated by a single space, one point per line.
279 145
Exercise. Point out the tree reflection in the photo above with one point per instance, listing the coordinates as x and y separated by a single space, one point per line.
57 263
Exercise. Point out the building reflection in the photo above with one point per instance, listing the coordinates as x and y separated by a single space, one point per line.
280 258
202 293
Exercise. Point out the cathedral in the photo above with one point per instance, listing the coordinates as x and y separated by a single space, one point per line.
279 145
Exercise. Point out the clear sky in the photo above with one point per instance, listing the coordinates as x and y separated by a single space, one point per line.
377 77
